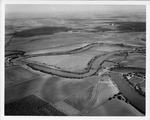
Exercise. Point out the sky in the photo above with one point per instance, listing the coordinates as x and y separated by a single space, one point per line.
35 8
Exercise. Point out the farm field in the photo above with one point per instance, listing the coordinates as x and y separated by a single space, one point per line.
32 105
136 60
79 63
52 89
15 75
113 108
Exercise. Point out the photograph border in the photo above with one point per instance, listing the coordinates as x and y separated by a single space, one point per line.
2 54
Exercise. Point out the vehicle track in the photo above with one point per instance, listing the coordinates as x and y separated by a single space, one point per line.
85 111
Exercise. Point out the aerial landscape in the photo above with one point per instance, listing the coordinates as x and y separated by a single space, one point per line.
75 60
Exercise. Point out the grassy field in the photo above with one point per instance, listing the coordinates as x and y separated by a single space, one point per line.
80 100
48 41
56 49
16 75
41 31
135 60
131 26
106 90
65 62
66 108
142 84
50 60
135 80
74 63
109 48
114 108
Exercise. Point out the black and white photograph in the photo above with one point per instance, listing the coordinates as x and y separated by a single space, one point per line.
75 60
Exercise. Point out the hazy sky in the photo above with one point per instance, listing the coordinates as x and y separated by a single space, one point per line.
71 8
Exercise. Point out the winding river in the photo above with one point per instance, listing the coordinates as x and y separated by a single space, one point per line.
93 68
